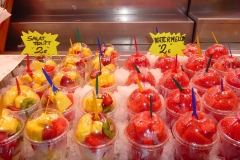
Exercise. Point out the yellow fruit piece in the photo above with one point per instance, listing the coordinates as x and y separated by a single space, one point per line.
26 78
62 102
8 124
86 52
31 94
105 70
102 80
111 79
111 66
71 59
73 75
38 77
34 130
18 100
36 65
50 63
56 79
109 51
88 104
36 86
97 127
84 127
9 98
46 119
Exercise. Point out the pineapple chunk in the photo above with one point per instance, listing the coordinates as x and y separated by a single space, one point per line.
111 66
36 86
73 75
26 78
50 63
36 65
38 77
111 79
97 127
109 51
18 100
88 104
84 127
62 102
8 124
47 119
34 130
102 80
56 79
86 52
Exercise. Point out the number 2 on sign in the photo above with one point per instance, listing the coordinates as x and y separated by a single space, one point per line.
40 50
163 48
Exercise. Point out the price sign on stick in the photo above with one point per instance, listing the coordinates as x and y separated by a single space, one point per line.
40 44
167 44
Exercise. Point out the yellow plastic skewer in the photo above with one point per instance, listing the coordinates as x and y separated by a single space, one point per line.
1 106
199 48
215 38
71 45
139 85
96 117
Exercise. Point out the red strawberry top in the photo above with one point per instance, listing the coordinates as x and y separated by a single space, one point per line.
233 77
165 63
221 100
226 62
139 60
145 76
181 102
230 126
146 130
216 50
140 101
191 49
206 79
201 131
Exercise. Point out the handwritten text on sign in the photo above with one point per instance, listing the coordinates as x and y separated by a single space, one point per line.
167 44
38 44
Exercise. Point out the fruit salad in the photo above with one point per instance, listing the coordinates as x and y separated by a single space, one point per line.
81 49
218 103
229 129
146 136
140 101
68 78
216 50
203 80
96 137
194 138
140 60
145 76
46 130
106 103
11 129
23 103
37 81
165 63
61 101
178 103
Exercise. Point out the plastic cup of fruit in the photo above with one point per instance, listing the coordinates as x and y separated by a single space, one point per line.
145 76
218 103
194 64
106 79
202 80
96 138
37 81
146 136
194 138
61 101
225 63
229 128
165 63
68 78
178 103
140 60
11 131
46 131
216 50
191 49
232 80
140 102
166 84
23 104
106 103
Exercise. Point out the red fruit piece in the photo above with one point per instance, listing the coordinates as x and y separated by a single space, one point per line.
3 136
94 139
146 141
48 133
227 126
59 125
209 128
65 81
106 60
48 68
94 73
107 100
141 126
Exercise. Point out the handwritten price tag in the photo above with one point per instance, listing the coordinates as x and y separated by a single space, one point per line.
39 45
167 44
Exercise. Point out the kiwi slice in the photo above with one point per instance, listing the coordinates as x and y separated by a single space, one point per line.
109 128
27 102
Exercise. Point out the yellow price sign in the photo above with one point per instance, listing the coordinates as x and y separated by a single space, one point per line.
40 44
167 44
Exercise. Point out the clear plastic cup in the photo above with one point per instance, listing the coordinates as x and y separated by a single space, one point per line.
12 98
232 80
217 103
63 101
146 136
228 128
165 63
35 132
194 138
178 103
106 103
101 146
145 76
140 102
140 60
191 49
11 144
166 84
202 80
